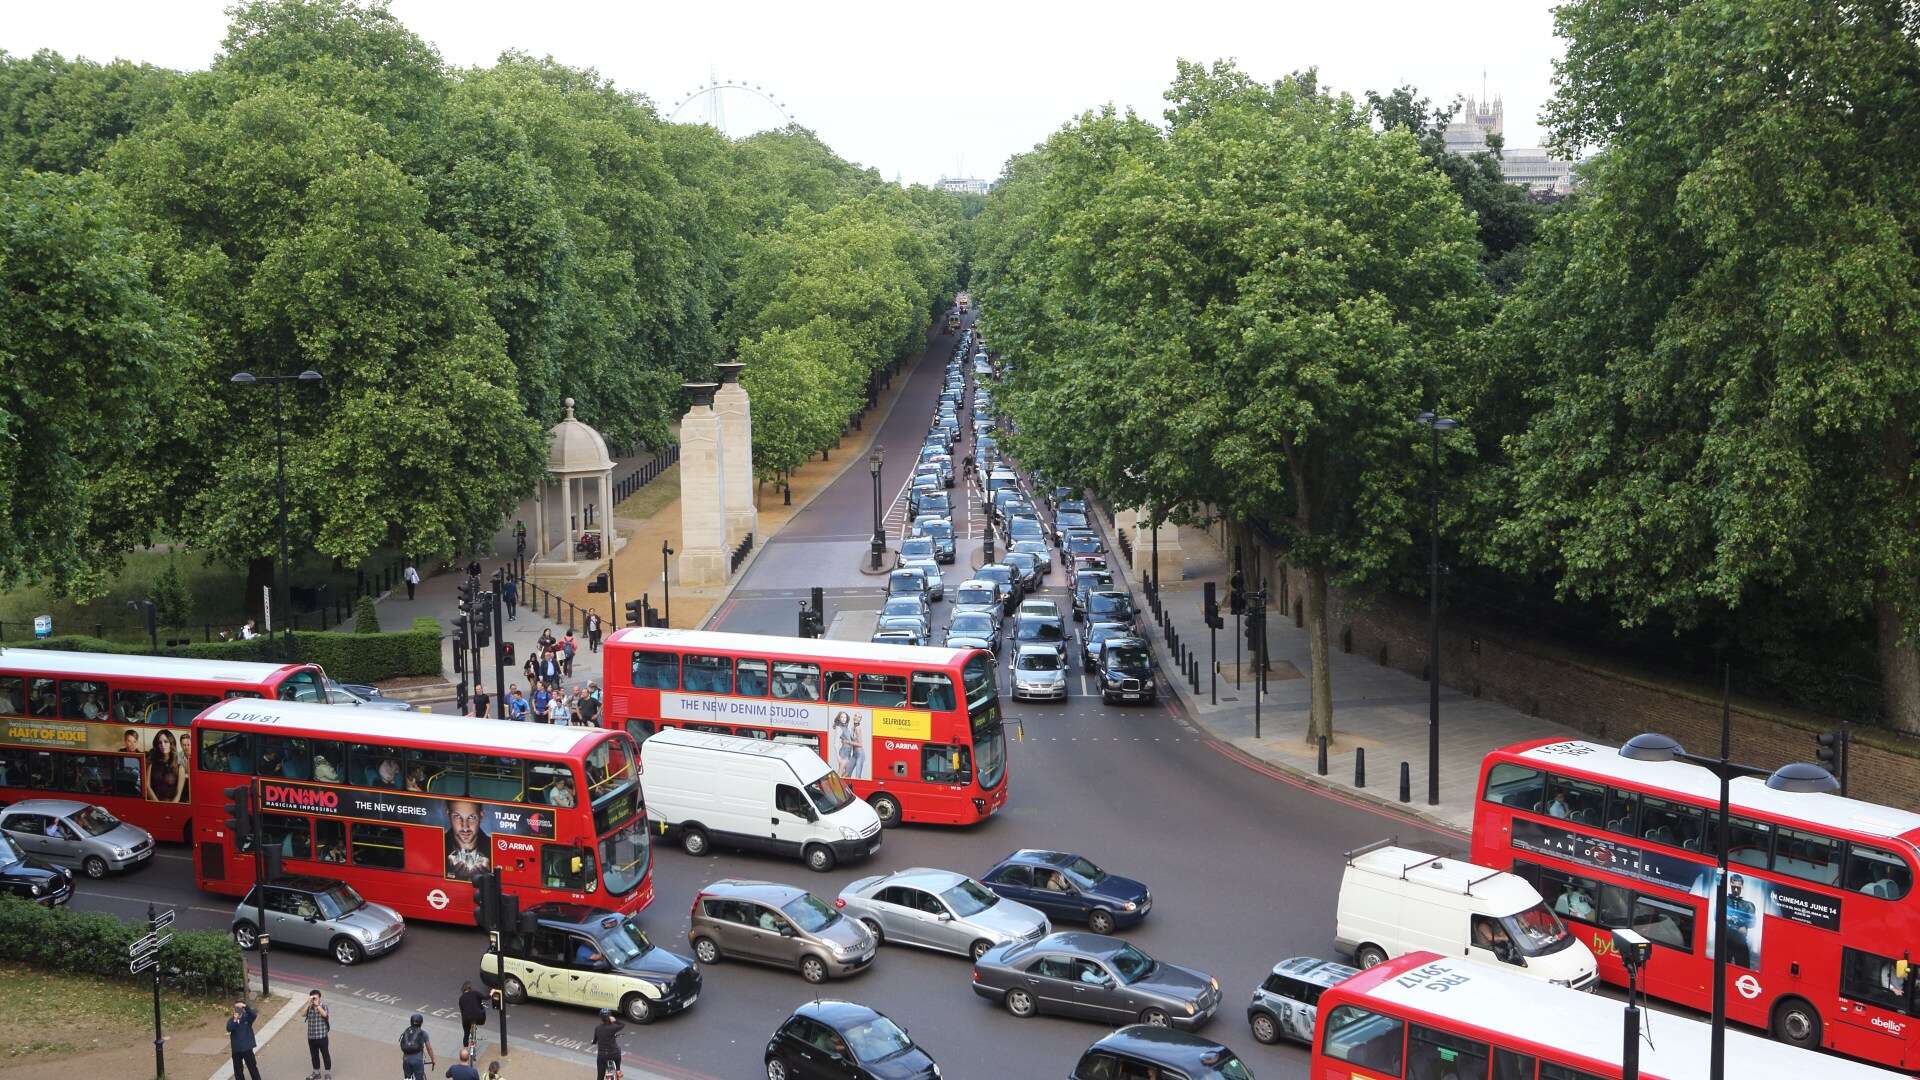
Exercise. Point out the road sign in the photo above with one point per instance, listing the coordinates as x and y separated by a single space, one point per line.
42 626
162 920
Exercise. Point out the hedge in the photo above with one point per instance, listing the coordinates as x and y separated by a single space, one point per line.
84 943
348 657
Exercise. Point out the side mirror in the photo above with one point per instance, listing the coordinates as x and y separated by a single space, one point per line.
786 930
1506 953
945 916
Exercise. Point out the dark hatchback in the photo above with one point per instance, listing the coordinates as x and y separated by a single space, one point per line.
31 879
840 1040
1067 886
1146 1050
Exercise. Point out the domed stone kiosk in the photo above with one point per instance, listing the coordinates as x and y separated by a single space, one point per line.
578 463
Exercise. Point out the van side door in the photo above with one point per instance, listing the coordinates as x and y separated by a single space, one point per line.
792 822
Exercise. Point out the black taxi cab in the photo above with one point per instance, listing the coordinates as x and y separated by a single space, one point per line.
592 957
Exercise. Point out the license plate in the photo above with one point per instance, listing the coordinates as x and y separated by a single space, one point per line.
692 999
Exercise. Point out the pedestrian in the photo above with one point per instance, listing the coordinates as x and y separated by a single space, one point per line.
493 1070
412 578
549 668
593 631
606 1046
416 1050
568 646
560 711
510 593
319 1023
533 670
520 538
463 1069
473 569
586 708
482 701
473 1016
247 632
547 640
240 1040
542 704
517 707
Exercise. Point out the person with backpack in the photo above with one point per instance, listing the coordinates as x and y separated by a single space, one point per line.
473 1014
606 1046
416 1050
568 646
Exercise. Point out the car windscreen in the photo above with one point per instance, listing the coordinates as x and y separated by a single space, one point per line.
969 897
977 676
1099 604
1038 630
810 913
1040 660
1131 964
624 943
1537 931
918 547
971 624
1129 659
94 821
9 854
942 529
830 792
877 1040
975 595
995 572
903 605
1229 1069
1082 869
340 899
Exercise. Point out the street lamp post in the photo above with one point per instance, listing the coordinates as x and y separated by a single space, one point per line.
666 589
279 382
1797 778
1436 424
879 534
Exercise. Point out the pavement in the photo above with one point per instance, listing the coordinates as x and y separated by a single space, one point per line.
1380 713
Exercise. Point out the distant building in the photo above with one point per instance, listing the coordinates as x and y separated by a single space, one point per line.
965 185
1528 167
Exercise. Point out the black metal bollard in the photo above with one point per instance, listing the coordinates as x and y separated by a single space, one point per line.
1359 766
1406 782
209 632
1323 755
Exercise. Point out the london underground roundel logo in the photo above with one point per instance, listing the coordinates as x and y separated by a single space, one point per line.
438 899
1748 986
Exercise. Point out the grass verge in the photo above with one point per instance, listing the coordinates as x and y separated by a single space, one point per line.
51 1015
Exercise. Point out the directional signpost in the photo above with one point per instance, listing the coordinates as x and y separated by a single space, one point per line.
143 955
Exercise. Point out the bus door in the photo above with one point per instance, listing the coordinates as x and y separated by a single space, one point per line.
1877 1004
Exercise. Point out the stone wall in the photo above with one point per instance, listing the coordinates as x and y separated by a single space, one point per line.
1610 703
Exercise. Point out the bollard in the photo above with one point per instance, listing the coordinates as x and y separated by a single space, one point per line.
1323 756
1196 674
1406 782
1359 766
209 630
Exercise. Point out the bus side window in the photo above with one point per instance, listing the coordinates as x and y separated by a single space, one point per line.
1550 1071
226 751
188 706
1431 1052
1512 1065
380 846
303 685
1623 811
641 730
13 693
330 840
1808 856
139 707
796 681
750 678
840 687
883 691
1877 873
708 674
656 670
1874 979
499 779
563 867
1361 1037
43 697
932 690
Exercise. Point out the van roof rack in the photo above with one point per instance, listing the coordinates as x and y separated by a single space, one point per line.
1367 848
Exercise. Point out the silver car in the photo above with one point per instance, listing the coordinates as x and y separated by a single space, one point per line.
779 925
76 834
1095 977
317 913
1039 673
1285 1004
939 909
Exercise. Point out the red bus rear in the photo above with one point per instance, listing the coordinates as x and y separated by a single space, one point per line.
1821 907
410 817
113 730
917 731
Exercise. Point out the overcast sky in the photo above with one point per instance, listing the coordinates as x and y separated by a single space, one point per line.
922 91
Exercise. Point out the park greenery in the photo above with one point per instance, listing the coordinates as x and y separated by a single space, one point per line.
1688 395
455 250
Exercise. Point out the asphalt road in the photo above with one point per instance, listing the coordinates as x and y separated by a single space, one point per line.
1244 865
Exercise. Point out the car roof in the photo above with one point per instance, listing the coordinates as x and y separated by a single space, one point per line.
1314 970
769 892
574 916
1030 647
303 882
836 1013
56 807
1165 1045
925 877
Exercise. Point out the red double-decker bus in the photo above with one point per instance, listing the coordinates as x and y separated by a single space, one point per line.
410 813
112 730
917 731
1823 925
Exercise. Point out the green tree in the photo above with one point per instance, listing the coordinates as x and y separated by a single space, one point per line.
60 115
1506 218
1717 340
172 604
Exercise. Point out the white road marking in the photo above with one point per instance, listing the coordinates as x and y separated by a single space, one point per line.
150 900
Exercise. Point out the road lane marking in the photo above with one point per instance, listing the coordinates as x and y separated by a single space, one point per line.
151 900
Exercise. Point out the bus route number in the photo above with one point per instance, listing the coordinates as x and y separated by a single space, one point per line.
1566 749
1432 977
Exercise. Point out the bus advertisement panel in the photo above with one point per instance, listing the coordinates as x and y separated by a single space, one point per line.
1822 919
917 731
410 820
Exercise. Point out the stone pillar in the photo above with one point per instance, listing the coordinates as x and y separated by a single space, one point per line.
539 552
566 515
736 433
606 513
703 500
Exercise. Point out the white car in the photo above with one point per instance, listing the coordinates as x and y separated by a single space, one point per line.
1039 674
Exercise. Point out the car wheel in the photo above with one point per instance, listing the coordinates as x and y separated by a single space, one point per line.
513 990
1265 1029
886 808
813 969
1020 1003
979 948
347 951
873 927
1797 1023
777 1069
638 1008
694 842
706 950
820 858
1156 1017
95 866
246 935
1100 921
1370 956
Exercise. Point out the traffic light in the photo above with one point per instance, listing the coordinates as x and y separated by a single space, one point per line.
1831 749
1252 631
460 696
506 652
1237 593
636 614
598 584
240 814
483 625
1210 605
486 900
806 621
460 651
270 855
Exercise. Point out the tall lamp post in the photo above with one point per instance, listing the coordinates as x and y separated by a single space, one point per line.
666 588
879 534
1796 778
1436 424
279 382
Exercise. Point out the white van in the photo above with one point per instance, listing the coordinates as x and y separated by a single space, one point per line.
1394 900
756 795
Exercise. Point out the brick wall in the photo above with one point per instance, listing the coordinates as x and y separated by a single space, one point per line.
1609 703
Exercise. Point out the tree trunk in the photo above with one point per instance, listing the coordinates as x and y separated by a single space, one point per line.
259 577
1320 711
1899 669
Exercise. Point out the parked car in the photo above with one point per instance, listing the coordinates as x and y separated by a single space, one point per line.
779 925
941 910
839 1040
940 531
1068 886
317 913
1125 671
1039 673
909 606
1286 1003
580 955
1095 977
1147 1051
73 833
1094 637
32 879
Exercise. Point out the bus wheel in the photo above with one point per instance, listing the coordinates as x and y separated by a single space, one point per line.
820 858
1796 1022
512 989
887 809
694 841
1370 956
638 1009
246 935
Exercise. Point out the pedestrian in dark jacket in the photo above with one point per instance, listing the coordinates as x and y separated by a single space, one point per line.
416 1050
606 1046
473 1014
510 593
568 646
240 1039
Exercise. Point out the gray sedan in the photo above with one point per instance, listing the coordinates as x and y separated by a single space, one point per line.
76 834
939 909
1095 977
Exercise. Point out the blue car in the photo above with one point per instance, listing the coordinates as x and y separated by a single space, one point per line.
1070 887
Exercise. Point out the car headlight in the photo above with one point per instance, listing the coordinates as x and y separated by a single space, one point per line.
1215 983
36 889
121 853
1191 1008
936 1070
1130 906
849 833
